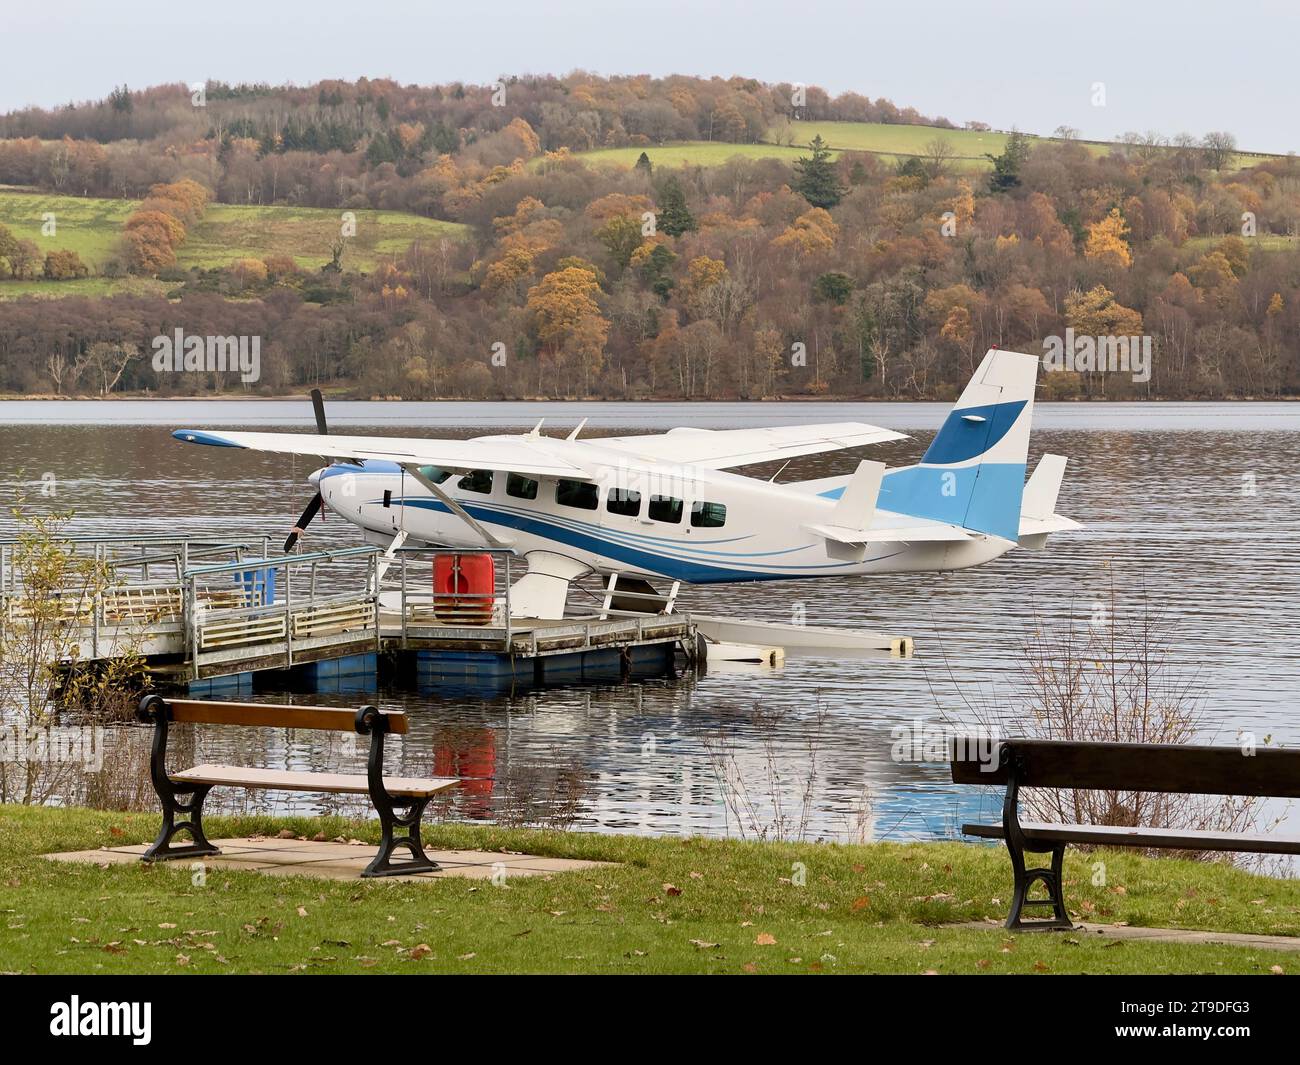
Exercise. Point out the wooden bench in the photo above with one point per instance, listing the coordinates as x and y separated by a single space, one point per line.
1123 767
182 793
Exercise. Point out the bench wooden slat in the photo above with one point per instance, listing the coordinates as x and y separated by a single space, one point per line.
1156 838
292 780
1175 768
318 717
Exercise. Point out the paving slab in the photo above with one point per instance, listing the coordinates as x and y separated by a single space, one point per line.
1156 935
338 861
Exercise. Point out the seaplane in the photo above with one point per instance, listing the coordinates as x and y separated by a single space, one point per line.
646 514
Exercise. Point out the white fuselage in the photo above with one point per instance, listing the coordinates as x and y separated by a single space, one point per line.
640 517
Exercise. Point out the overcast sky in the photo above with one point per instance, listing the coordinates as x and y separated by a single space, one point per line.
1165 66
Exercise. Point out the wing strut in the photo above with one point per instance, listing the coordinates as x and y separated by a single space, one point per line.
453 506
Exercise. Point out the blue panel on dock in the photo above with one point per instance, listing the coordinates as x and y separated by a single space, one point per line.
234 684
365 665
602 665
468 664
357 684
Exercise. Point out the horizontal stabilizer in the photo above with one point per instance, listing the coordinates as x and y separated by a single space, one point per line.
1038 526
1038 517
913 535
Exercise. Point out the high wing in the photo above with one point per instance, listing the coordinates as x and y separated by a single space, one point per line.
518 455
720 449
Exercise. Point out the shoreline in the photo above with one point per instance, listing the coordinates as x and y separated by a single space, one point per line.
303 397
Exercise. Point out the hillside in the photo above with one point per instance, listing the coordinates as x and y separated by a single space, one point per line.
92 227
882 266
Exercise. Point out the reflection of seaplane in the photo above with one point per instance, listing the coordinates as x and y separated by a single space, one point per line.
637 509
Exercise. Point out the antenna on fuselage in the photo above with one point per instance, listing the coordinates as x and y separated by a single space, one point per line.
576 430
537 429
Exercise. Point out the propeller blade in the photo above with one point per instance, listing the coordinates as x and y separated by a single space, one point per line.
318 405
313 508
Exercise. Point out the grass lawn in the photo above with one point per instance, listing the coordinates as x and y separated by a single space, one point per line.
673 905
93 229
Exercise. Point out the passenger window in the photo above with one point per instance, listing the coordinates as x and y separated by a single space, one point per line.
708 515
581 494
435 473
521 487
666 508
623 501
476 481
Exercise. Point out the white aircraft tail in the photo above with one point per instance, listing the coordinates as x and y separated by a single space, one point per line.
973 474
1038 517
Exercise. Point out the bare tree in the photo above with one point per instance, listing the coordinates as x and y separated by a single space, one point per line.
1220 148
938 154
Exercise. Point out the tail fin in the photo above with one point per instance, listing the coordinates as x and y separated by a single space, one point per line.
973 474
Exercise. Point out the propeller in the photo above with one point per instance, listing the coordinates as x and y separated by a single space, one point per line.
313 508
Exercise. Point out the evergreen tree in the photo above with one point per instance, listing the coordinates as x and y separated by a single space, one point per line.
675 217
1006 167
643 164
815 178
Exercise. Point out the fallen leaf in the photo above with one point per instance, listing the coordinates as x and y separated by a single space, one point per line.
466 957
672 889
420 950
286 833
764 939
861 903
703 944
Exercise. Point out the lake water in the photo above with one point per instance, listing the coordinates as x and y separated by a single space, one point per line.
1190 508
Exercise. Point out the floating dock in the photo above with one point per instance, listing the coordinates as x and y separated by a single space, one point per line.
212 616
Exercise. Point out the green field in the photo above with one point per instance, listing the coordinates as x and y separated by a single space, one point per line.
668 906
307 233
896 140
93 228
891 141
689 153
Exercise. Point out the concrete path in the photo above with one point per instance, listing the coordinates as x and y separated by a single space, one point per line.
333 860
1159 935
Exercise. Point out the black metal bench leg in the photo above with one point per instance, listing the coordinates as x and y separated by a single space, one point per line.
162 849
1052 879
390 819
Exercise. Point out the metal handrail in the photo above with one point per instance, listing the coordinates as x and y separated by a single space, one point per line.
283 560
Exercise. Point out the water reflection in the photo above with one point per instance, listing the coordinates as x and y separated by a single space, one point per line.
1192 507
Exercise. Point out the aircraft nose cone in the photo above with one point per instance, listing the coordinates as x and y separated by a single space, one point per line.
313 478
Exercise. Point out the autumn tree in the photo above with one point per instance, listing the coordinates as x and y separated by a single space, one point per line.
812 231
621 235
64 265
566 319
1106 241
